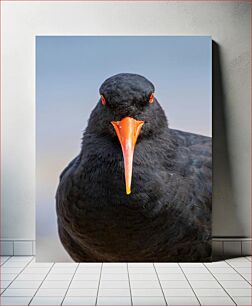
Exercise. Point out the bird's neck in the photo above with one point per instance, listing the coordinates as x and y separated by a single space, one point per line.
105 145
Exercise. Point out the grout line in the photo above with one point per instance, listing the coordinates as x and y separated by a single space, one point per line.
70 283
96 300
220 284
16 275
9 257
131 299
189 283
41 283
238 272
160 284
246 258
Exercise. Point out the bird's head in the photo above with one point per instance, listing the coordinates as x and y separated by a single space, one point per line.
129 111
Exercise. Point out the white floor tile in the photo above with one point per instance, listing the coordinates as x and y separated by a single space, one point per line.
114 284
240 264
217 264
55 284
40 265
113 269
114 264
58 277
3 259
14 300
95 264
5 283
63 270
47 300
235 284
178 292
82 292
200 276
29 270
66 265
14 264
210 292
25 284
115 276
195 270
166 264
237 259
28 276
8 270
157 300
239 291
87 270
243 270
144 284
180 300
19 292
102 300
51 292
21 258
243 300
84 284
139 276
146 292
220 270
229 276
79 301
172 276
167 270
86 276
144 270
192 264
140 264
205 284
114 292
247 277
175 284
221 300
8 276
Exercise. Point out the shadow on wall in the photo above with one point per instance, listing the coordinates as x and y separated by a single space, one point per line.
225 215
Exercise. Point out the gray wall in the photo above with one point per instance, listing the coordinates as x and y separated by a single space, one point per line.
229 25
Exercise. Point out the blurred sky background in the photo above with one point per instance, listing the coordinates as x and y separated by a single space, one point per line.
69 72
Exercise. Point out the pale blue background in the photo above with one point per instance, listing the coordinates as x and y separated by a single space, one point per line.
69 71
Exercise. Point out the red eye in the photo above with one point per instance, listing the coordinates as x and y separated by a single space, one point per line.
151 98
103 100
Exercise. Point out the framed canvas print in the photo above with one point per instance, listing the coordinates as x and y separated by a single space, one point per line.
123 148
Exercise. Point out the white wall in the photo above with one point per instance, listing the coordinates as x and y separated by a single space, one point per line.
229 25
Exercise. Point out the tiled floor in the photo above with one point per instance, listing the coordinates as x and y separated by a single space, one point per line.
25 282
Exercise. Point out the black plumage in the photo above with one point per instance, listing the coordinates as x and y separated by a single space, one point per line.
167 216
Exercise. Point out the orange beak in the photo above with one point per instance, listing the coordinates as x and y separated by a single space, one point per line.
128 130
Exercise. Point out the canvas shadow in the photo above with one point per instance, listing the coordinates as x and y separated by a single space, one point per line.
224 216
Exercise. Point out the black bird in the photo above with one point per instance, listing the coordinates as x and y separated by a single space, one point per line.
164 213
